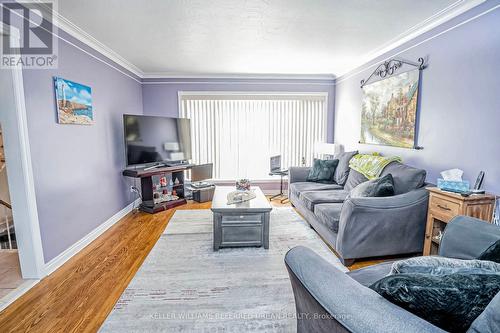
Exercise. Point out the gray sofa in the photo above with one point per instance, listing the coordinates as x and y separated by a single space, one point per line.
364 227
329 300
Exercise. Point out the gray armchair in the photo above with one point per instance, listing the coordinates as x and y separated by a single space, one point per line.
329 300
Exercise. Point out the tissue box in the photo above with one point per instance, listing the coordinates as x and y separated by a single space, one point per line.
453 185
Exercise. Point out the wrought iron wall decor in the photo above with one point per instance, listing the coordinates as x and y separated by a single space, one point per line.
389 104
391 66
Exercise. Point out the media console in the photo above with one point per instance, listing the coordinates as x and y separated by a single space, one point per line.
162 188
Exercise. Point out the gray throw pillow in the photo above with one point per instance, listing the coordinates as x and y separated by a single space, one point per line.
436 265
342 170
354 179
322 171
451 302
406 178
380 187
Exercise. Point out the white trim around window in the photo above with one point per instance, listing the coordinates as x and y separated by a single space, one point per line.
239 131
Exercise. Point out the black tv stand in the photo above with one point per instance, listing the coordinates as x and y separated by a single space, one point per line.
176 163
149 179
152 167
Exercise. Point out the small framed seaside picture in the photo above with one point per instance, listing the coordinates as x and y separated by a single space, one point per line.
74 102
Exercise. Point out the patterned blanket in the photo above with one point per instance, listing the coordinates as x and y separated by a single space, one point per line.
371 166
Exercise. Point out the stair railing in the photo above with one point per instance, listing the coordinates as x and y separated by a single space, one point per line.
7 213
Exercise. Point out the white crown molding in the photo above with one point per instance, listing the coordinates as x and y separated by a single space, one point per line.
237 76
446 14
252 82
361 68
84 37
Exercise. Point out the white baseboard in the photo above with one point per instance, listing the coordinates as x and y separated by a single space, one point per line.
58 261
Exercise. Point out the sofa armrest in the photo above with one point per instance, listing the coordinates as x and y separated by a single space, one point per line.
298 174
383 226
467 237
397 201
351 306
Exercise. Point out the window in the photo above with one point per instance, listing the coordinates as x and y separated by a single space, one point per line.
240 132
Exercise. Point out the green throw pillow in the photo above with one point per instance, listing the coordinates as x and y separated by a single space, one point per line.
322 171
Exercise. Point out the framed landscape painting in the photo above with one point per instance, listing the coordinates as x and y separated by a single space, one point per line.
74 102
389 110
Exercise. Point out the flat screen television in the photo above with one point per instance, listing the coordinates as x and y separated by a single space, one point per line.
151 139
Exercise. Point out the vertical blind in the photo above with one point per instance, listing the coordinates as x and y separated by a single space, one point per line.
239 133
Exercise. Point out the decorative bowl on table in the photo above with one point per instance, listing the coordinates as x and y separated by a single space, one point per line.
243 185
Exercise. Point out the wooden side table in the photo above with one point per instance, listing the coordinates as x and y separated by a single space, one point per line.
443 206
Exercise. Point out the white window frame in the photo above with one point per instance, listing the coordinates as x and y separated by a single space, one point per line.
325 95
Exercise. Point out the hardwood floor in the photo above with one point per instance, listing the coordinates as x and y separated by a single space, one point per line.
81 294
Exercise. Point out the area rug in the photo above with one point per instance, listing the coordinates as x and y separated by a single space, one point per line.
184 286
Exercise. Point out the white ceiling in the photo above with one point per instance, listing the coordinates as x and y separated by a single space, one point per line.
201 37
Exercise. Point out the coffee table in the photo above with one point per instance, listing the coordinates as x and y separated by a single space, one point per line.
241 224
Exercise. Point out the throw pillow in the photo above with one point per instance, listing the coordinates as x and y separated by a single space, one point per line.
342 170
492 253
405 177
380 187
322 171
451 302
354 179
435 265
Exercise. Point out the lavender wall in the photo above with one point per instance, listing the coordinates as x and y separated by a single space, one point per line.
77 169
460 103
160 96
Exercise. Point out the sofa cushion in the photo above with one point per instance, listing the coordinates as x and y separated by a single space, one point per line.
405 177
379 187
371 274
492 253
342 170
436 265
354 179
451 302
299 187
329 215
310 199
322 171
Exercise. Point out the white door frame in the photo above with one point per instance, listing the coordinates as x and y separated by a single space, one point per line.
19 169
